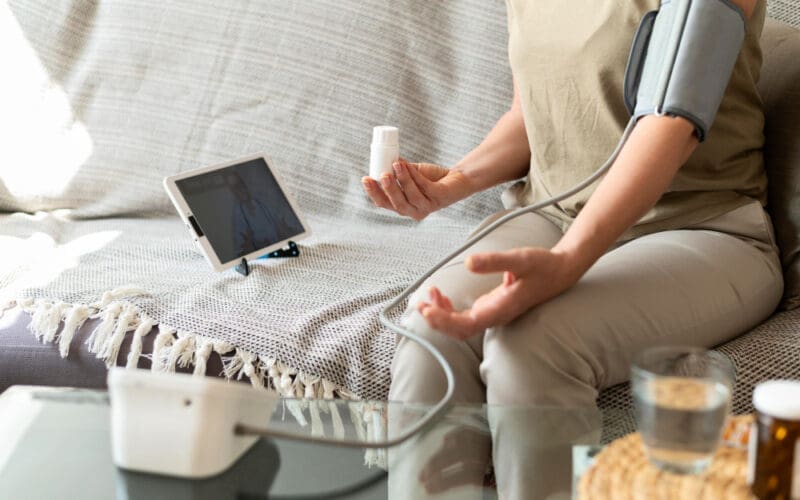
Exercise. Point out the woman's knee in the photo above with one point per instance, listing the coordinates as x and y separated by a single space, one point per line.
419 378
536 360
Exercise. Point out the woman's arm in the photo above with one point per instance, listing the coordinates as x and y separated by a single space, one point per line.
655 151
503 156
657 148
646 165
417 189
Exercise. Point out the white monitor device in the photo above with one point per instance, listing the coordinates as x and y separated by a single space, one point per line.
236 210
181 425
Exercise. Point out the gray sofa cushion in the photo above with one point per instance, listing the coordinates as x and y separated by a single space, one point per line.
26 361
787 11
770 351
780 90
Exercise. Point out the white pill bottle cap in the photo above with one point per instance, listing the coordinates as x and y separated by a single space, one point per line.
385 135
778 398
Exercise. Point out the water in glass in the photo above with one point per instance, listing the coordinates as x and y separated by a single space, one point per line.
680 420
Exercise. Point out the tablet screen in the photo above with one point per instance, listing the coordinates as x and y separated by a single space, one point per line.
240 208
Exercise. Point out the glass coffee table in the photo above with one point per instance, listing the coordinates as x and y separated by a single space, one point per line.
55 443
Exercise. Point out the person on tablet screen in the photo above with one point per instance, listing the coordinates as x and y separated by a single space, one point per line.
253 223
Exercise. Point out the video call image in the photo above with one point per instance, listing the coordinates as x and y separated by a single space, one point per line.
240 208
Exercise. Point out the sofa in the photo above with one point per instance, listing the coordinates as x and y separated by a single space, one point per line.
105 98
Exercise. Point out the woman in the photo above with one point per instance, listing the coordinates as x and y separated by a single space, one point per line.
672 246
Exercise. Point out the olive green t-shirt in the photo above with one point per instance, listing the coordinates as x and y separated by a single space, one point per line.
568 60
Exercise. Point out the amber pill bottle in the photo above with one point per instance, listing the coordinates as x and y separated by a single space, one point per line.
775 441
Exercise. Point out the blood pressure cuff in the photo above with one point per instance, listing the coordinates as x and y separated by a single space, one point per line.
682 58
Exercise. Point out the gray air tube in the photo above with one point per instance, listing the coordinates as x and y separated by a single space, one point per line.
680 64
682 59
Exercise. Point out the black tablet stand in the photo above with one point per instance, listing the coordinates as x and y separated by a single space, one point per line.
244 268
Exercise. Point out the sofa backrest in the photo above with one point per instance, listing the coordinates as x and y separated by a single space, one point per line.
787 11
108 97
780 91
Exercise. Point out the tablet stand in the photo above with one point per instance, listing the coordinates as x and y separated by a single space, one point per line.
244 268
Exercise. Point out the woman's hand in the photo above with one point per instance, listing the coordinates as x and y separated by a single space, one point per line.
530 277
417 189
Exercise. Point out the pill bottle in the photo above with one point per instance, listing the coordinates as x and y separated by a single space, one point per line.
384 151
775 441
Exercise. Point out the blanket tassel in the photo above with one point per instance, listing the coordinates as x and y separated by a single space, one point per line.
143 329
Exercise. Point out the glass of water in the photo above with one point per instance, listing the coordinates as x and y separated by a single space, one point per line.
682 396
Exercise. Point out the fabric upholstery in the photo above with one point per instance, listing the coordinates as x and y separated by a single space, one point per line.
787 11
127 92
26 361
780 91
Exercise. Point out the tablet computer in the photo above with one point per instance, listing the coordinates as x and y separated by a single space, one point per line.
236 210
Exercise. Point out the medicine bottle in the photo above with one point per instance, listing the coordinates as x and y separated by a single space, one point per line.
384 151
775 441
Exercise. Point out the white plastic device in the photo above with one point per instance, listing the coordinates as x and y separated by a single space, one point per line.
384 151
181 425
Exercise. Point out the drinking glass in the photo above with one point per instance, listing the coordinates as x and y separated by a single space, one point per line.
682 396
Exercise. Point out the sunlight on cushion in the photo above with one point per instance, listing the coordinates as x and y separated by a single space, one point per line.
38 260
43 145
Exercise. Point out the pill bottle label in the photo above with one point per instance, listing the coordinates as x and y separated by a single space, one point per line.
796 472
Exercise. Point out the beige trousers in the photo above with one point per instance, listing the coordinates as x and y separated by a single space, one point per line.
700 286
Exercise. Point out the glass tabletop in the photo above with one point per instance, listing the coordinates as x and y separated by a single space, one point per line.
55 443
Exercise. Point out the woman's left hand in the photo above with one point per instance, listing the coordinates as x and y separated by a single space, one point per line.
530 277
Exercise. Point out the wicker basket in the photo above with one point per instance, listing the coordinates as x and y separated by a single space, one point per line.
622 471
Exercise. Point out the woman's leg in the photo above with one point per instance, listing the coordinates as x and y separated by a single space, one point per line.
418 378
700 286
